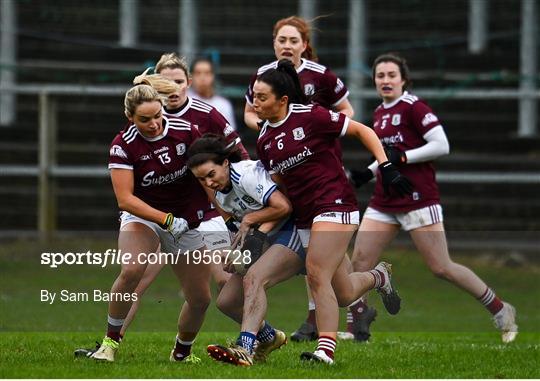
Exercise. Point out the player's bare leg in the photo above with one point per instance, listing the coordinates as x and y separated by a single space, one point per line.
323 259
276 265
230 300
195 280
219 275
431 243
371 239
349 286
134 238
150 274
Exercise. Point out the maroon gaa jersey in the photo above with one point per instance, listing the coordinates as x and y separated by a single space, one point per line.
161 176
403 123
207 119
302 149
316 80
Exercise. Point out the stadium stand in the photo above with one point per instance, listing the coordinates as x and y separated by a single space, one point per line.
75 42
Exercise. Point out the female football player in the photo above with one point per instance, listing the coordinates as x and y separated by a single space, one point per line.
297 145
245 191
291 38
414 137
206 119
292 41
162 204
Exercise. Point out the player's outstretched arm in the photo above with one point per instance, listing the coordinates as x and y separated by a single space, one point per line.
250 117
368 138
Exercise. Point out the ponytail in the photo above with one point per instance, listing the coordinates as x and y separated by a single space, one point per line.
284 81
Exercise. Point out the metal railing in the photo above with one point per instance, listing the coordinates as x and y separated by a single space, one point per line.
47 169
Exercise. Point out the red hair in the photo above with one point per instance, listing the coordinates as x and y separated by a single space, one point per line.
303 27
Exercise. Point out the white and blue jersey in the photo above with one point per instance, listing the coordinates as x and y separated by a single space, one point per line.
251 189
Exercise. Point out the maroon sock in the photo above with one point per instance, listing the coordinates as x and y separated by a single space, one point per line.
114 335
182 349
379 278
491 301
354 313
114 326
328 345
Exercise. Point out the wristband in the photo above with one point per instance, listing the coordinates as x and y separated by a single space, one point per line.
167 221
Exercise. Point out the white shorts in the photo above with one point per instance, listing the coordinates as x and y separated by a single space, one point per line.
215 233
352 218
191 240
409 220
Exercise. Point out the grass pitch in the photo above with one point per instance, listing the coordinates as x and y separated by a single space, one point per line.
441 332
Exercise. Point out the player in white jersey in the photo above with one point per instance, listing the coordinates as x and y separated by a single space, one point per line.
244 190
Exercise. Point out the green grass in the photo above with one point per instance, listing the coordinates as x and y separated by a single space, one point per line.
389 355
441 332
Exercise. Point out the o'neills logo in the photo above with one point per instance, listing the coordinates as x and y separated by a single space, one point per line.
149 178
292 161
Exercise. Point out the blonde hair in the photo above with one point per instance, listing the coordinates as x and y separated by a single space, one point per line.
172 61
138 95
157 81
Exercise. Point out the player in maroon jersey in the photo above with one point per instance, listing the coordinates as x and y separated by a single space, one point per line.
206 119
414 137
292 41
291 38
162 203
297 146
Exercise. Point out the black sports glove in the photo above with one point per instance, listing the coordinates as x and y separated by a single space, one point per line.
359 178
231 226
260 124
395 155
392 178
254 243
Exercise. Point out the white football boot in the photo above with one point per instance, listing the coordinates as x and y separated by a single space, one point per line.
106 351
505 321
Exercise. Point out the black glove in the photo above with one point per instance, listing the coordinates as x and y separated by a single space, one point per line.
392 178
254 243
395 155
260 124
231 226
359 178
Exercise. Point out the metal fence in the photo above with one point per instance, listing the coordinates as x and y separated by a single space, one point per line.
47 169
